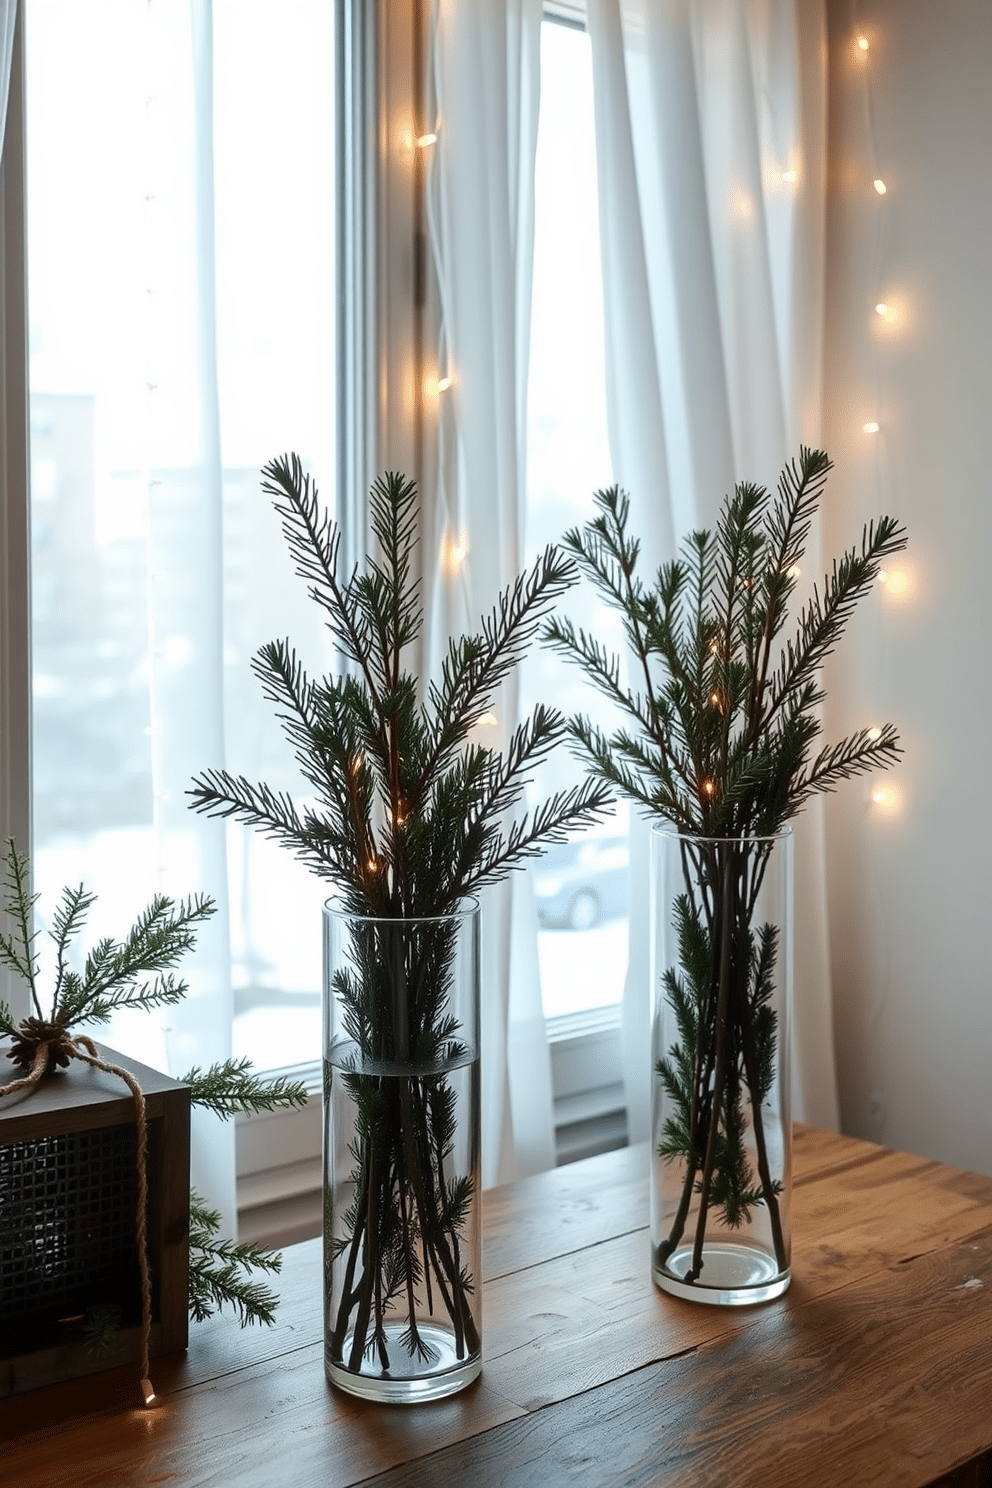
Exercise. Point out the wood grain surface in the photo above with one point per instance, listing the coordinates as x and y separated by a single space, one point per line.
874 1368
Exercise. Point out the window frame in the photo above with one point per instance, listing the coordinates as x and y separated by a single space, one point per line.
15 568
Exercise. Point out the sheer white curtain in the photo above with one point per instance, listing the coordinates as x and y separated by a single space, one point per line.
484 84
185 537
121 253
710 121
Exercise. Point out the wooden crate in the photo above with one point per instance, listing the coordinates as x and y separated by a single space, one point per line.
67 1220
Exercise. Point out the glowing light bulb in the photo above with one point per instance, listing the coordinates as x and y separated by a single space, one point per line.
886 799
490 718
896 581
458 554
874 734
715 699
371 865
424 140
148 1392
862 43
870 427
880 187
709 787
444 384
881 308
793 571
790 176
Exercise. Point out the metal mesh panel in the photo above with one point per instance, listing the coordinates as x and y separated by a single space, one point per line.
67 1234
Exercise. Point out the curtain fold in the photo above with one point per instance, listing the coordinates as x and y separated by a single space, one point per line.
484 85
710 121
185 553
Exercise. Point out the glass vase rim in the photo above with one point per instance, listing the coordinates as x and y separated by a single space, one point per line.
666 829
461 913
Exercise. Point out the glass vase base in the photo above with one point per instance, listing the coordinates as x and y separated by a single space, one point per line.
410 1379
732 1276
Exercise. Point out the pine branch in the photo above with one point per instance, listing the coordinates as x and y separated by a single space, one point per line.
19 905
161 936
867 750
231 1088
823 621
219 1271
476 666
67 921
552 821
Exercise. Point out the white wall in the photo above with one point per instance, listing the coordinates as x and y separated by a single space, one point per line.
911 883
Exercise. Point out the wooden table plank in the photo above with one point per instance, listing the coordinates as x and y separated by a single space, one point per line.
277 1423
837 1391
572 1323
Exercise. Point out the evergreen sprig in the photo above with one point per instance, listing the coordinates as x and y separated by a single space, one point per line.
411 817
717 737
719 730
409 813
115 974
219 1270
111 980
231 1088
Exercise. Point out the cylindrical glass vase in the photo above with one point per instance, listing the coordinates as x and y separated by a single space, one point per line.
721 976
402 1223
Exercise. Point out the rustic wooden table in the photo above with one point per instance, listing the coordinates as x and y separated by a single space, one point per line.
874 1368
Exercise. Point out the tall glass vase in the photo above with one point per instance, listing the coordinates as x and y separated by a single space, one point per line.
721 977
402 1231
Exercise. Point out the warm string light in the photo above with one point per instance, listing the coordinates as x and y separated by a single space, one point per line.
434 386
409 141
896 581
886 799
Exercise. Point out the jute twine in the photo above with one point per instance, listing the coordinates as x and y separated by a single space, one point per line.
48 1052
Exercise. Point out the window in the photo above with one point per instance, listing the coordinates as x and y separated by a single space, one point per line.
581 886
125 401
135 122
181 291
